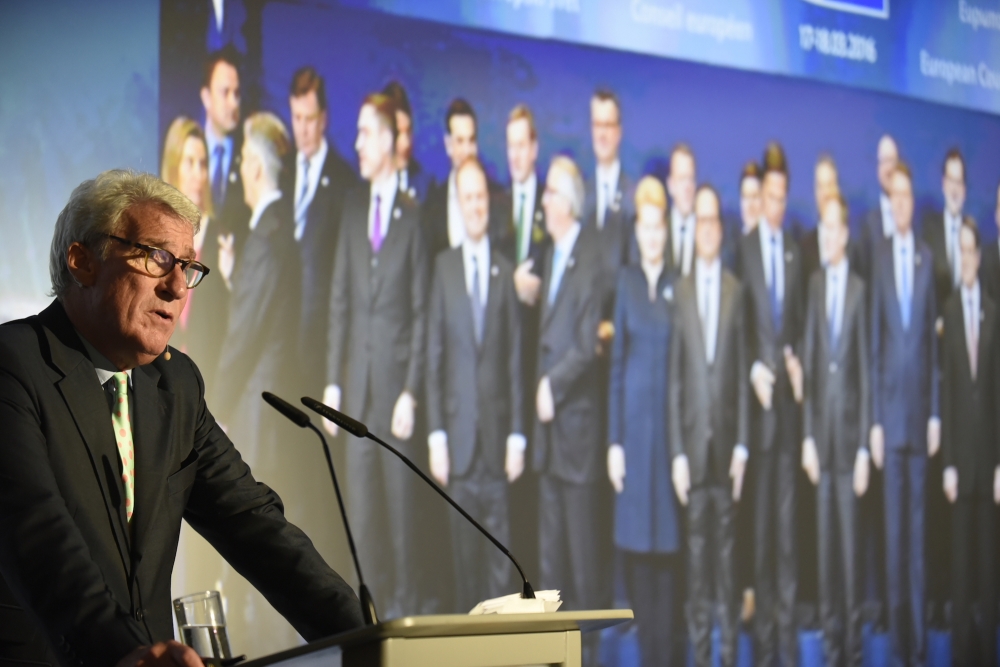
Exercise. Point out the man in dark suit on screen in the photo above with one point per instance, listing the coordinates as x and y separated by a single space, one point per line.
568 444
681 183
772 278
970 421
315 183
835 453
413 180
905 429
375 360
989 268
708 412
474 401
109 444
878 226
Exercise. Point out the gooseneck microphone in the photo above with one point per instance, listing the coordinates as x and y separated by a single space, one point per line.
301 419
356 428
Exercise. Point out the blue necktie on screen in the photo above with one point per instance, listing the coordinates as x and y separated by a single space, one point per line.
904 306
775 299
218 178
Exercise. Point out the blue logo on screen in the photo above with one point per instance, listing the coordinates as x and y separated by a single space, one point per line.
876 8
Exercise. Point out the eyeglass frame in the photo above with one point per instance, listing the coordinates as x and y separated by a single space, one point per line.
149 249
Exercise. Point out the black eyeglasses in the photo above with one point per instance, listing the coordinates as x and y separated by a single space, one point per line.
160 262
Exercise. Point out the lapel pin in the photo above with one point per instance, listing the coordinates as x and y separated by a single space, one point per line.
232 177
412 192
494 271
397 214
668 293
325 181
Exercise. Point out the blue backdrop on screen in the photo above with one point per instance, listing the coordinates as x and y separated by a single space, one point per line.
727 116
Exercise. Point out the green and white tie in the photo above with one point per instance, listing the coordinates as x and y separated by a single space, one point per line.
122 422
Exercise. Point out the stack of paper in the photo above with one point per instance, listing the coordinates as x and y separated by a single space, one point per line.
544 602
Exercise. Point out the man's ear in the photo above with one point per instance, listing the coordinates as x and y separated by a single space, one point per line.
83 264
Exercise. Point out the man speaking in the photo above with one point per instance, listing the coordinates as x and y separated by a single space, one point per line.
108 443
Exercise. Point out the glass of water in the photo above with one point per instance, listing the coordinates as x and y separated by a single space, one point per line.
202 624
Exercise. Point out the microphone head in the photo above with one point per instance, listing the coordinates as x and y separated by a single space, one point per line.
292 413
352 426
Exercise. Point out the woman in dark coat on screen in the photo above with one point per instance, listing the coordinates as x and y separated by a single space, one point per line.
647 527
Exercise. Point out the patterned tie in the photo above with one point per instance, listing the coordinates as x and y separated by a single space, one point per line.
972 337
377 226
522 232
904 306
122 422
775 299
478 311
218 178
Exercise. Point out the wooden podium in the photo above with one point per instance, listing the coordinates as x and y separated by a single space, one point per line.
514 640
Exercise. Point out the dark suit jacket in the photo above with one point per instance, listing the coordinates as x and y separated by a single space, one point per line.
317 248
646 509
866 249
233 213
82 588
570 447
836 400
378 308
970 409
904 361
418 181
989 270
474 391
616 240
933 234
709 405
503 230
259 349
763 342
809 245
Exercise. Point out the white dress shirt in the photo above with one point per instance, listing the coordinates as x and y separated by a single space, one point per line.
456 227
766 234
683 239
708 283
480 252
265 200
952 225
836 292
386 192
304 199
898 245
524 194
607 189
888 222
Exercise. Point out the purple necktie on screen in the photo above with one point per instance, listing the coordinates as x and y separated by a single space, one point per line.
377 226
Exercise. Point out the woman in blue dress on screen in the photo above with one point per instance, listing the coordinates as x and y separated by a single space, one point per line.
647 528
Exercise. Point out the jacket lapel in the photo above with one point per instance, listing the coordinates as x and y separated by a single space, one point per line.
151 435
702 334
455 284
570 265
492 298
987 321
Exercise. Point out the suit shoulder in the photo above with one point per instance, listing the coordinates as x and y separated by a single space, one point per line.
19 339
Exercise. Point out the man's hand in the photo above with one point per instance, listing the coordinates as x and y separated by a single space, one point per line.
227 258
876 443
810 460
794 368
616 467
437 445
762 379
861 473
514 465
331 396
165 654
933 436
544 403
951 483
526 283
738 468
681 476
403 416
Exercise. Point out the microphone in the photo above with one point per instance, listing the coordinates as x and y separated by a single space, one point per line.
356 428
301 419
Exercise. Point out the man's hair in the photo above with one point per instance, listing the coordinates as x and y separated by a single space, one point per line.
968 223
844 211
307 80
458 107
471 162
394 91
903 168
775 160
750 170
575 194
228 55
100 206
385 111
180 131
523 112
265 135
681 148
708 187
954 154
826 158
650 192
608 95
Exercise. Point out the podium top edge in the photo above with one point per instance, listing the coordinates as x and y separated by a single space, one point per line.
457 625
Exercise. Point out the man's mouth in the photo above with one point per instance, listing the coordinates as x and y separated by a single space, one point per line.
164 315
